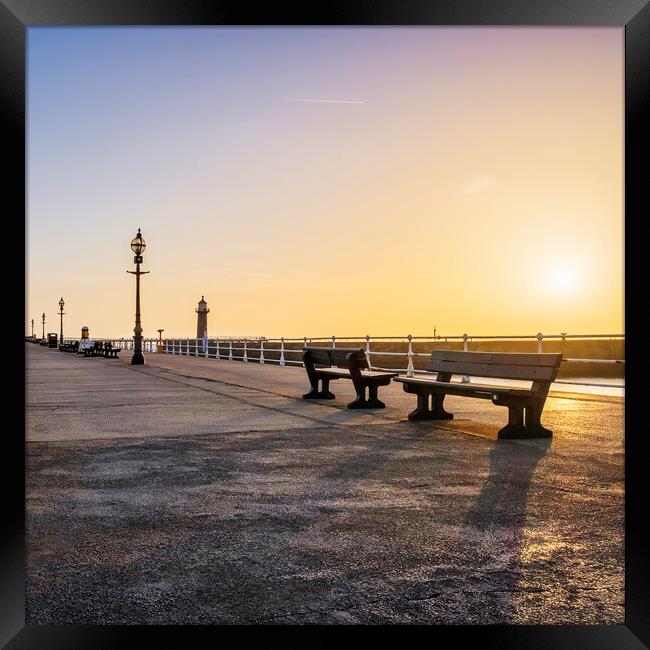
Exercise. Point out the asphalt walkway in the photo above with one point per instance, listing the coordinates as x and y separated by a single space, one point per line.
192 490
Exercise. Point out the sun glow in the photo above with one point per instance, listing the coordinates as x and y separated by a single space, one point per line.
563 278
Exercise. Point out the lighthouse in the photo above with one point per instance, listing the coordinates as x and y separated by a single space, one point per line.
202 319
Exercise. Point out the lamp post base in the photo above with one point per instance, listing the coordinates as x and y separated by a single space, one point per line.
137 359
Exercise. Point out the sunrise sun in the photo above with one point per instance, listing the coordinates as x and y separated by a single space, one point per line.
563 278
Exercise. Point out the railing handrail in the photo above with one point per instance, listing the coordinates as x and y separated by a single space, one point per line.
222 347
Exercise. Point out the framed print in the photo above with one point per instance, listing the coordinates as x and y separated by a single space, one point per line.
326 320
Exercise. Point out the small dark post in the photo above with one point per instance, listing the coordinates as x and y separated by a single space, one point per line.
43 317
32 328
137 246
61 313
160 345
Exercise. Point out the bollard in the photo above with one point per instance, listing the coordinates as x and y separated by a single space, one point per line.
261 350
540 336
245 359
230 351
409 367
465 379
282 351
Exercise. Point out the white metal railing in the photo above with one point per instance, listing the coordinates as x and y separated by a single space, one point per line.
284 351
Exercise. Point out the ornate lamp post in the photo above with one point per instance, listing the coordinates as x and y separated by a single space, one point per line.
137 246
43 317
61 313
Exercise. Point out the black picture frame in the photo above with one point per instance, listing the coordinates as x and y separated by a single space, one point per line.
633 15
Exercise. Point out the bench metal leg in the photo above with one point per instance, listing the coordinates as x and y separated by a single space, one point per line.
520 427
534 427
423 412
325 390
373 401
515 426
325 393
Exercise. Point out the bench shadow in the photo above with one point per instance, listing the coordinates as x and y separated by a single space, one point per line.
358 466
491 535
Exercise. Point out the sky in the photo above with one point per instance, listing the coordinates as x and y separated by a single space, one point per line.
320 181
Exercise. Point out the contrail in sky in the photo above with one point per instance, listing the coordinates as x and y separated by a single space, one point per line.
323 101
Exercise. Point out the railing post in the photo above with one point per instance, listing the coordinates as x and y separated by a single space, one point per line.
166 346
188 348
218 353
282 351
230 352
409 367
205 345
465 379
304 345
368 351
245 359
262 350
334 345
540 336
196 348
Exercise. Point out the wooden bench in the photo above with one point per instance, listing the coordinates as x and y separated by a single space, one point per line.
524 404
352 364
96 350
109 352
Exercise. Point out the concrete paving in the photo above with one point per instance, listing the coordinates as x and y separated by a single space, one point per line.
192 490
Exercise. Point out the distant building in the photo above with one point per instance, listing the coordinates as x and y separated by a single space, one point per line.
202 319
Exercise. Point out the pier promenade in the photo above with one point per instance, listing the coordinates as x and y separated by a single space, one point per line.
194 490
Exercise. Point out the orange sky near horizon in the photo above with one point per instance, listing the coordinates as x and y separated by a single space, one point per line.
312 182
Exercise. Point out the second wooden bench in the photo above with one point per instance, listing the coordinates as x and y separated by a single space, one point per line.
352 364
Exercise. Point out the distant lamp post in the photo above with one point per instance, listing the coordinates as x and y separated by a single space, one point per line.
61 313
137 246
160 344
32 328
43 317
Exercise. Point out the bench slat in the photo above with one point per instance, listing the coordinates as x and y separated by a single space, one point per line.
549 359
466 389
501 371
336 356
336 372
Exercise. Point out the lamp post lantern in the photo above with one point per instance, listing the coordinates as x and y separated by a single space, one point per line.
137 246
43 317
61 313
